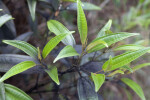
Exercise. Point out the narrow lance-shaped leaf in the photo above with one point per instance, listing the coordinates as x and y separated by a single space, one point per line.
53 73
57 28
115 72
24 46
69 0
68 51
17 69
98 80
2 91
4 19
91 47
14 93
139 67
104 29
82 24
126 67
125 58
135 87
112 38
109 63
32 8
52 44
129 47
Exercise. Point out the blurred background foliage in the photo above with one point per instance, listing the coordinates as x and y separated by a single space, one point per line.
127 15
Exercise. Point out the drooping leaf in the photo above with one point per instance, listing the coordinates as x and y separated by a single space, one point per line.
112 38
53 73
24 46
135 87
125 58
82 24
2 91
17 69
4 19
115 72
126 67
52 44
14 93
98 80
7 61
140 66
57 28
68 51
91 47
129 47
104 29
85 6
86 89
32 8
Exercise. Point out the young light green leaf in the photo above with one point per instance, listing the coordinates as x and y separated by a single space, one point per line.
91 47
2 91
57 28
32 8
53 73
135 87
24 46
125 58
14 93
140 66
126 67
68 51
104 29
4 19
109 63
98 80
69 0
17 69
82 24
112 38
52 44
115 72
129 47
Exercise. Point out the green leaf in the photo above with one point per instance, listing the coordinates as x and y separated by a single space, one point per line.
4 19
104 29
140 66
39 54
69 0
67 51
91 47
1 9
129 47
127 68
2 91
82 24
125 58
135 87
32 8
98 80
17 69
57 28
53 73
109 63
115 72
24 46
112 38
14 93
52 44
